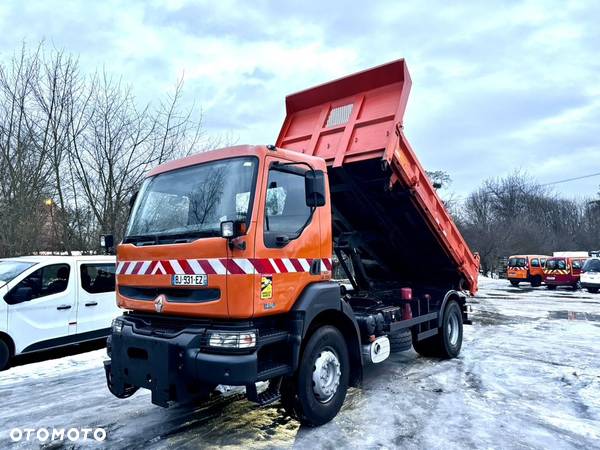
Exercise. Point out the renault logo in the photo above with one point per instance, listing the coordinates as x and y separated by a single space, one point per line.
159 303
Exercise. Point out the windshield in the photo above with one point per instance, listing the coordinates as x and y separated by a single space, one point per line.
592 265
194 200
9 269
556 264
517 262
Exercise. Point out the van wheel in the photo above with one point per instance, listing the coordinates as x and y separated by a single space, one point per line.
448 342
551 287
400 341
315 394
514 283
536 282
4 355
592 290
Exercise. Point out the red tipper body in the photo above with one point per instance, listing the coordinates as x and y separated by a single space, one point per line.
355 124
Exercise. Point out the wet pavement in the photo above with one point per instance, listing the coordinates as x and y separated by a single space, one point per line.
528 377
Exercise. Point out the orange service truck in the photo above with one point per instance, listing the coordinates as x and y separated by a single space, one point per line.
225 271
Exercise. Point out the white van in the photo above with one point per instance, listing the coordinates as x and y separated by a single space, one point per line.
590 275
53 301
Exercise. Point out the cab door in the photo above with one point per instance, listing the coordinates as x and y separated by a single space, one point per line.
96 305
40 308
288 241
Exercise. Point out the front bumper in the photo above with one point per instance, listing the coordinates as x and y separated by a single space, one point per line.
177 367
590 284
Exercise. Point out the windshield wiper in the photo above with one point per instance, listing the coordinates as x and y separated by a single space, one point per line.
154 239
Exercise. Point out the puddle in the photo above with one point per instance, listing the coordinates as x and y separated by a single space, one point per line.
573 315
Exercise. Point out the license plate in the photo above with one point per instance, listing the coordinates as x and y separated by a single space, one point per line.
550 278
189 280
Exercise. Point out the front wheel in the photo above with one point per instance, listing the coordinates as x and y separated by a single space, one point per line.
448 342
536 282
316 393
514 283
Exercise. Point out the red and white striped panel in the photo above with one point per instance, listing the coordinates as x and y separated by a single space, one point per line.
217 266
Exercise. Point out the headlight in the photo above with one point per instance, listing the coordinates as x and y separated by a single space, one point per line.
232 339
117 326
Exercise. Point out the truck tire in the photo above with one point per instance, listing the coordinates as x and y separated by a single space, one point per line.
315 394
448 342
400 341
551 287
514 283
536 282
4 355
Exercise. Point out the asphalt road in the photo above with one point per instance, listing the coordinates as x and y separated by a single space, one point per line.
528 377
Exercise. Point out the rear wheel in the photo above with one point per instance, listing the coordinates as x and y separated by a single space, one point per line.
514 283
592 290
4 355
315 394
536 282
551 286
400 341
448 342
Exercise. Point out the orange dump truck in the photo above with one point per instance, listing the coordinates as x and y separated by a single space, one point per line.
226 267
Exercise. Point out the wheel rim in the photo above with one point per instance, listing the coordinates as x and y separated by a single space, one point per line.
326 375
453 330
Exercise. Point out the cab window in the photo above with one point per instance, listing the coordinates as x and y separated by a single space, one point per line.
576 264
543 262
48 280
98 278
535 262
286 213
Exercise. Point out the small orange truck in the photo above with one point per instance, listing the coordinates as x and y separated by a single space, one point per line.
225 269
526 268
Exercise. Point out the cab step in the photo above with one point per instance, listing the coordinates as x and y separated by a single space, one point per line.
270 395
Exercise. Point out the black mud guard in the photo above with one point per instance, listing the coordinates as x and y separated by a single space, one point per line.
319 300
461 302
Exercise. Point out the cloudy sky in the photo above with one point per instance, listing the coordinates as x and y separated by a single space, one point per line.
497 86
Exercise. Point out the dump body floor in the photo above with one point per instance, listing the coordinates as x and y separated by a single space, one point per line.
528 376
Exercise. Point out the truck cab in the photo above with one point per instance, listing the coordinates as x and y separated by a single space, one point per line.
225 271
54 301
526 268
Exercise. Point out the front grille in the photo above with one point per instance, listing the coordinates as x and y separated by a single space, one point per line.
172 295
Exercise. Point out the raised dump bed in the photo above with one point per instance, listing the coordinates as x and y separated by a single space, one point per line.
384 207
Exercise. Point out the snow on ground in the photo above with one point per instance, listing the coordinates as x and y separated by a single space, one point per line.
528 377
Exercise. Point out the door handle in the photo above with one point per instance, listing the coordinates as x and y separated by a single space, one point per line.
91 304
62 307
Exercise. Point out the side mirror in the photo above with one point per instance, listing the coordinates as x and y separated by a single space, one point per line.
21 294
314 182
107 241
132 199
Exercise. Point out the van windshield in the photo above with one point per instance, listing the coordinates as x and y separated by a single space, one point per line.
592 265
10 269
556 264
517 262
193 201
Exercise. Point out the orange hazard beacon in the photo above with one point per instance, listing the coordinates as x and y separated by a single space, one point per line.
297 263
